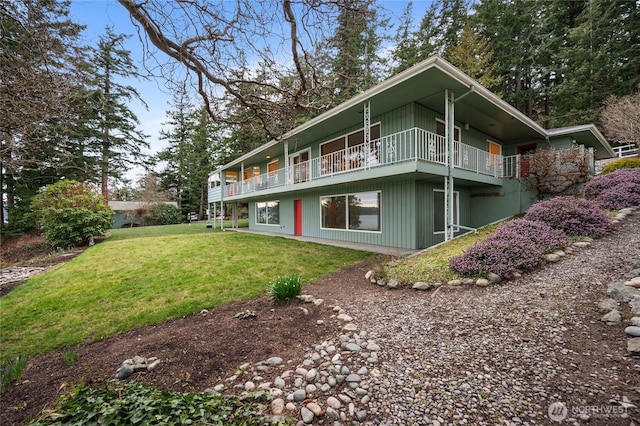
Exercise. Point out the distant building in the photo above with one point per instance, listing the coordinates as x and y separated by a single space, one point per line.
122 207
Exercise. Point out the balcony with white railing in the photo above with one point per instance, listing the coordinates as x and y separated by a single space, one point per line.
409 145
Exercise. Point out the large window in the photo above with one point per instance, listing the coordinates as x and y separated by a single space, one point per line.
438 211
268 213
355 212
348 151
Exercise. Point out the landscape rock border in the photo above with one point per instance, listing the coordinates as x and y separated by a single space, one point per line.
492 278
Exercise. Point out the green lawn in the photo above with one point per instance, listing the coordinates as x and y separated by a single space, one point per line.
143 276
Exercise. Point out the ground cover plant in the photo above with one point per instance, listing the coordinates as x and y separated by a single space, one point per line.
623 163
615 190
127 403
127 283
576 217
517 245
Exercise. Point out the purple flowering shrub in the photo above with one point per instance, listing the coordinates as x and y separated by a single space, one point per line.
543 235
498 255
574 216
615 190
516 245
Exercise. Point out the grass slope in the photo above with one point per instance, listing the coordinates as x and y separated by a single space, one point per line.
129 282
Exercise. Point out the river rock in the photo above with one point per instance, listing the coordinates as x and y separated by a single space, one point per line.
307 415
314 408
299 395
274 360
277 406
420 286
633 346
607 305
633 331
125 370
612 317
482 282
334 403
619 291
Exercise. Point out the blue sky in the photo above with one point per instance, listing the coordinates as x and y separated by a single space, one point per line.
96 15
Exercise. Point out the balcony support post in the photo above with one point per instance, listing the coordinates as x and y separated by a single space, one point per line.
367 132
449 118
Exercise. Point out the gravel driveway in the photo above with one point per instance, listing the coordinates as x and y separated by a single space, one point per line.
508 353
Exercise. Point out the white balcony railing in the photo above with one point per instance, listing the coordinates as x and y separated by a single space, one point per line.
626 150
409 145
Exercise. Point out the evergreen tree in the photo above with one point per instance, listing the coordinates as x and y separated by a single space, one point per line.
405 53
38 69
474 55
112 127
356 63
602 58
193 146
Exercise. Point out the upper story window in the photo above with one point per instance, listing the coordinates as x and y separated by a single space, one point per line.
214 180
440 130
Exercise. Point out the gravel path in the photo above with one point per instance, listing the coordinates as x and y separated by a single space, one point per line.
503 354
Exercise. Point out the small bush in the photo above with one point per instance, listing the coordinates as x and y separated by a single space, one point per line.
516 245
543 235
623 163
70 357
70 213
497 255
132 403
286 288
574 216
615 190
165 214
11 371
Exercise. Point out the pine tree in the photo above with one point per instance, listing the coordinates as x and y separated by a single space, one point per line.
112 126
356 63
474 55
38 50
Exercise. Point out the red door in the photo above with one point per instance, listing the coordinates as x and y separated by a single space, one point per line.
297 212
524 164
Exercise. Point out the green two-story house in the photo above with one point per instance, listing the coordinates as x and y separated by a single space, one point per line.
421 157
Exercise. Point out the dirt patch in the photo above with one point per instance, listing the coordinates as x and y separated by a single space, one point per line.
196 352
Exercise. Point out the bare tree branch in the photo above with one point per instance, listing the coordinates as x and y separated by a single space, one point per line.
257 54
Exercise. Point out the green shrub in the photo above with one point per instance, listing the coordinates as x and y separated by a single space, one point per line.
623 163
11 370
285 288
165 214
132 403
70 213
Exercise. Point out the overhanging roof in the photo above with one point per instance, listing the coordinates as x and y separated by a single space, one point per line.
589 136
425 83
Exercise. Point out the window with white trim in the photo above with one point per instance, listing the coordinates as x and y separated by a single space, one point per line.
268 213
438 211
353 212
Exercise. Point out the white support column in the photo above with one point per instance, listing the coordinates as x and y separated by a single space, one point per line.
286 162
367 132
449 118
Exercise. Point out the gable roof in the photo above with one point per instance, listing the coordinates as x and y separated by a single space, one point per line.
425 84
